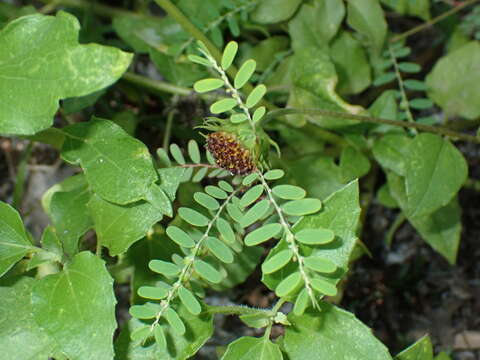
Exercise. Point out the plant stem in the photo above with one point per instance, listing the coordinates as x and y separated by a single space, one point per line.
237 310
20 178
432 21
399 220
156 85
168 130
432 129
290 239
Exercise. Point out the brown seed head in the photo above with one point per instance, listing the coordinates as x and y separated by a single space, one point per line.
230 154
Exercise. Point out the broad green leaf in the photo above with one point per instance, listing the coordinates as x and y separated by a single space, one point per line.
255 213
340 214
159 200
117 167
289 192
143 311
441 229
456 73
207 271
14 241
289 284
219 249
420 8
70 214
20 336
262 234
284 9
194 151
152 292
278 261
314 82
391 152
251 195
229 54
353 164
324 286
340 334
351 63
302 207
435 172
244 73
175 321
189 300
319 264
170 180
316 236
251 348
76 307
255 95
206 85
199 328
164 267
216 192
193 217
42 62
206 200
225 230
367 18
118 226
316 23
420 350
223 105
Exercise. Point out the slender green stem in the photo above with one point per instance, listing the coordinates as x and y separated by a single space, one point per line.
156 85
21 176
422 127
404 102
290 239
432 21
188 263
399 220
274 310
168 130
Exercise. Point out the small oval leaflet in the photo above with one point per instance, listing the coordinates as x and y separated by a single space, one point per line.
216 192
315 236
262 234
234 212
180 237
221 251
324 287
142 311
258 114
199 60
164 267
152 292
415 85
177 154
319 264
229 54
207 271
225 186
238 118
163 157
289 284
409 67
301 303
274 174
140 333
255 213
277 261
223 105
206 85
225 230
200 174
302 207
421 103
244 73
247 180
174 321
206 201
194 151
159 337
251 195
255 95
192 217
189 300
289 192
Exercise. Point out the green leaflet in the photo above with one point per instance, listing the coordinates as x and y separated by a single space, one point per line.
177 153
14 241
319 264
289 284
180 236
273 174
255 95
244 73
324 286
422 349
206 201
41 70
315 236
251 195
216 192
250 348
144 311
289 192
223 105
219 249
164 267
302 207
262 234
152 292
174 321
229 54
206 85
194 151
255 213
207 271
278 261
189 300
193 217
